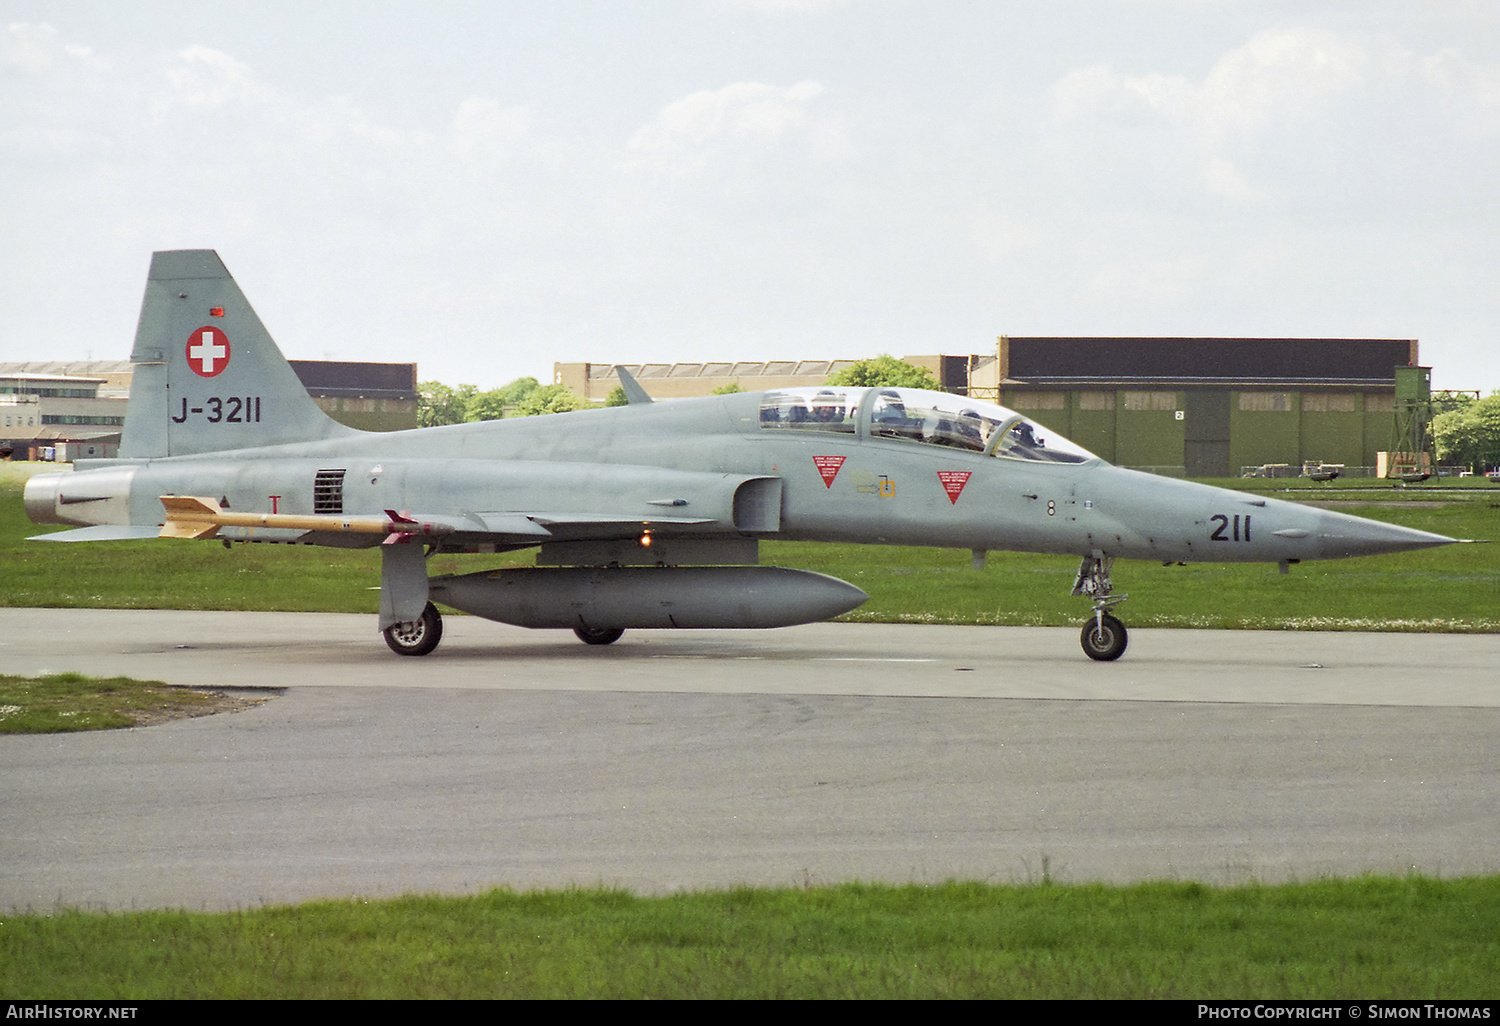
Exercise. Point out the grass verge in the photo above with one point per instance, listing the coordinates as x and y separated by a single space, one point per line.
62 702
1369 938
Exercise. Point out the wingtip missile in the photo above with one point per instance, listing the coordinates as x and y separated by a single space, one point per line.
190 516
193 516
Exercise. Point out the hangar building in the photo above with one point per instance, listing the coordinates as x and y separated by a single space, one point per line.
1211 407
368 396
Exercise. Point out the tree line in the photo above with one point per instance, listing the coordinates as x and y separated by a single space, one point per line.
438 403
1469 433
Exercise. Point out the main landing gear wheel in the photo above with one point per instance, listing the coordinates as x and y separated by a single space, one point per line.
1104 638
598 635
417 637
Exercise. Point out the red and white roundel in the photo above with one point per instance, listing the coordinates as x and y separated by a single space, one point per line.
208 351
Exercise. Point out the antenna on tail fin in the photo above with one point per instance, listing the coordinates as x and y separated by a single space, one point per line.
208 377
634 393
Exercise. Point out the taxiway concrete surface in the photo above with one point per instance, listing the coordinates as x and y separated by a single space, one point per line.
703 759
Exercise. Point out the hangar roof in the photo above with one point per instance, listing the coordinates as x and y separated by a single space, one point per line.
346 379
1263 362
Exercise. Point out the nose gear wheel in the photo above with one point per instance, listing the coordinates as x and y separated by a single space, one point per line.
1104 637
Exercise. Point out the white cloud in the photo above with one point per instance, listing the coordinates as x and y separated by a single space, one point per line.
483 126
36 47
1290 107
1459 80
1100 90
1222 178
1276 74
686 134
205 77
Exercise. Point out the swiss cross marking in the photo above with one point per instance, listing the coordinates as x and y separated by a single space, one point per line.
828 466
208 351
953 482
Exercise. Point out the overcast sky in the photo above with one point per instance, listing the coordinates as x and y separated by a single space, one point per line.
487 187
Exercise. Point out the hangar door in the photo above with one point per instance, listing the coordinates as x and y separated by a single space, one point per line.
1205 433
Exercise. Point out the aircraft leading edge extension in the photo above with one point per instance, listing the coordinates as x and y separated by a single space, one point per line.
644 516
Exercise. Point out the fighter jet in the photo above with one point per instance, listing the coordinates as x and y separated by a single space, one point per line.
647 515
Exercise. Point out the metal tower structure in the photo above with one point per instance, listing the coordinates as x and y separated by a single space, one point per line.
1412 455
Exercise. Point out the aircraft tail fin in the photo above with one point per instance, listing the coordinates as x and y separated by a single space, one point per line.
208 377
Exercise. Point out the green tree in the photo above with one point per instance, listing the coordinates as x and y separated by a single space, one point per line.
729 389
486 406
519 389
884 370
550 399
616 397
438 403
492 405
1470 435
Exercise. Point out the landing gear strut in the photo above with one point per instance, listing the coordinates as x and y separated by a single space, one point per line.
1104 637
417 637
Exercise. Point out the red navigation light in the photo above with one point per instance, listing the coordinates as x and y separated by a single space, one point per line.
216 311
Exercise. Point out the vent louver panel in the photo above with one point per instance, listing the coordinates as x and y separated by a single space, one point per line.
328 492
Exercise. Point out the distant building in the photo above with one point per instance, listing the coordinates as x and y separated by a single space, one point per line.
75 410
368 396
61 411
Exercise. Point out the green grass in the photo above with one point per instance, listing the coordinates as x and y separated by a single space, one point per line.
1368 938
71 701
1447 589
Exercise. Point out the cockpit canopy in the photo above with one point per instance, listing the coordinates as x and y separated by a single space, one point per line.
916 415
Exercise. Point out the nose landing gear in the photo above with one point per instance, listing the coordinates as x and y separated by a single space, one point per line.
1104 637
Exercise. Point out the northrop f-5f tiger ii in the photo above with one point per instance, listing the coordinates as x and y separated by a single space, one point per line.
647 515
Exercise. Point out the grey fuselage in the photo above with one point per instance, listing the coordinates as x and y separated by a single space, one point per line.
676 467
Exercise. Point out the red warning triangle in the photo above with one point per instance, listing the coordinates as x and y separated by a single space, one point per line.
953 482
828 466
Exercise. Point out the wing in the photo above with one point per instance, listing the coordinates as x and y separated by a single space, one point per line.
631 505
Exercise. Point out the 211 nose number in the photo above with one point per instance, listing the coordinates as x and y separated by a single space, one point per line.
1238 531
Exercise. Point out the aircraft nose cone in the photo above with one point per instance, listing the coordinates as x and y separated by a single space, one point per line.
1344 535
